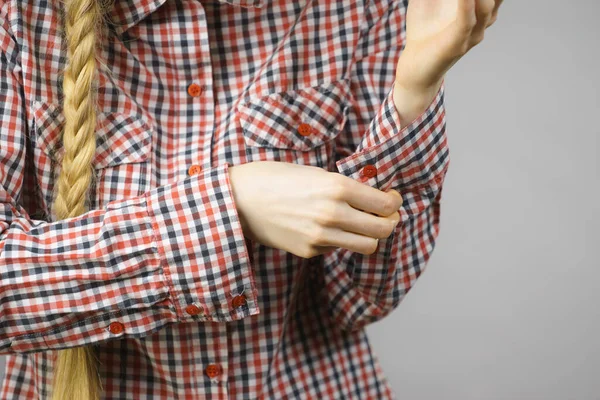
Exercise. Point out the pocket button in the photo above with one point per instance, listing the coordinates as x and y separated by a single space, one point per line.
304 129
193 309
194 169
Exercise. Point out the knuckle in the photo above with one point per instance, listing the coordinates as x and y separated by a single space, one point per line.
388 206
311 252
464 48
472 23
318 236
328 215
338 189
485 7
469 24
303 253
478 38
307 252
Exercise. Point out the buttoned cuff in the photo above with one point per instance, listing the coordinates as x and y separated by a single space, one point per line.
412 159
202 247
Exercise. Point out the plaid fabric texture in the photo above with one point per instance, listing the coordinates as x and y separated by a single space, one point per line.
158 274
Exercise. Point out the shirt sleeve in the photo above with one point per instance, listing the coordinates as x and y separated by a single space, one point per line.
173 254
411 159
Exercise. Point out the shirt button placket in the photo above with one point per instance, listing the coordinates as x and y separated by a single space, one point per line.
213 371
213 362
194 90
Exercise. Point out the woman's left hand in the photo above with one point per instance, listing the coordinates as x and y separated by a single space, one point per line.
438 34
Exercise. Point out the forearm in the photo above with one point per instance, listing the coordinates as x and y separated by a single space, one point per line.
411 98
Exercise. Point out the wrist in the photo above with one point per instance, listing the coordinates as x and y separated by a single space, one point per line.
412 100
417 71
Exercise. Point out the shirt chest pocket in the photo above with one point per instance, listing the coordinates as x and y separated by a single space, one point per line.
122 158
295 126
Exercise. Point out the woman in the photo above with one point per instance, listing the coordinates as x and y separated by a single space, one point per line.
212 199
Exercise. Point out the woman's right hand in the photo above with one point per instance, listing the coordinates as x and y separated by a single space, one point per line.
308 211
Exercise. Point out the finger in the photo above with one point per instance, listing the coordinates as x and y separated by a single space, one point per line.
467 17
497 6
369 199
347 240
484 14
494 13
363 223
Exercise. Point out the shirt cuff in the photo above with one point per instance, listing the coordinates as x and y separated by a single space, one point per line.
412 159
202 247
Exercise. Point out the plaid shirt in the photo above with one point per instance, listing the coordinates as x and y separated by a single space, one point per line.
158 274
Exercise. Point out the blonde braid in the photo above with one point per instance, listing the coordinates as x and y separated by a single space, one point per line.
76 369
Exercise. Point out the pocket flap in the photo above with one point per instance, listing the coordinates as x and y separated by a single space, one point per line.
300 119
120 138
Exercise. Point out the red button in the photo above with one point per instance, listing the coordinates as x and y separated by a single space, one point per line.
194 170
369 171
238 300
304 129
194 90
193 309
213 370
116 327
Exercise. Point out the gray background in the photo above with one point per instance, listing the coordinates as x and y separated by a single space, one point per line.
508 305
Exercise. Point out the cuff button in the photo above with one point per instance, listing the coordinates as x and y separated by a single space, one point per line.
193 309
238 301
369 171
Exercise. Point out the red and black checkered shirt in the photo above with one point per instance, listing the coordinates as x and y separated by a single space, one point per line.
158 274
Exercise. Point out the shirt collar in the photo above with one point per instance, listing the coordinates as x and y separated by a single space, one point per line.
127 13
